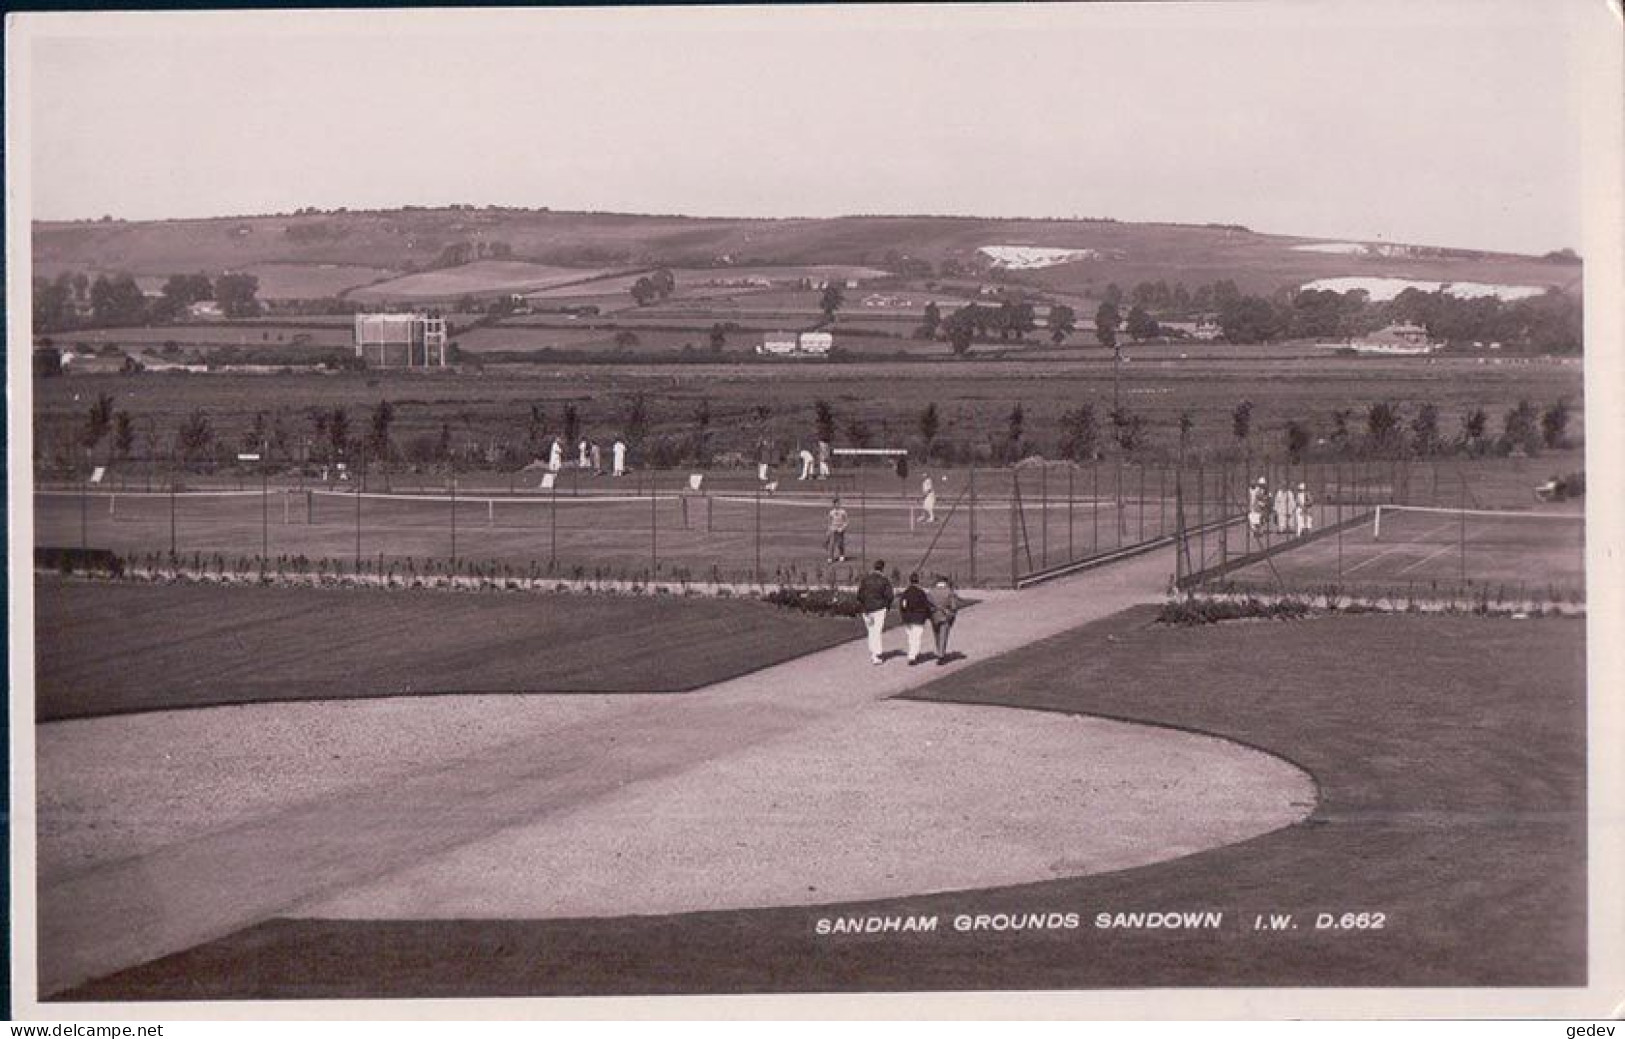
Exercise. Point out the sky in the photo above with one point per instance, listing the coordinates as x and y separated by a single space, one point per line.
1447 122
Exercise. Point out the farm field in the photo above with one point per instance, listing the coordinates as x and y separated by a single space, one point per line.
483 277
255 334
283 281
251 645
1128 253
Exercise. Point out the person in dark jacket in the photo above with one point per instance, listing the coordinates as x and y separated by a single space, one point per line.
874 599
945 603
915 606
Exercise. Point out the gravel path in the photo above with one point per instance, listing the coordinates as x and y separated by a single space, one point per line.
439 807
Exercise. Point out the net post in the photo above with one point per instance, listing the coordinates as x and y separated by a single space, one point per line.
454 518
553 525
1094 506
654 528
1201 515
758 567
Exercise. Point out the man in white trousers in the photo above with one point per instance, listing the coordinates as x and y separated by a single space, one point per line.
619 457
874 599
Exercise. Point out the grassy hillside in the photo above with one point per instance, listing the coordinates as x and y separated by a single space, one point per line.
374 244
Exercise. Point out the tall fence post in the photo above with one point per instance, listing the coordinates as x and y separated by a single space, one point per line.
1201 517
454 518
1094 507
757 571
1071 500
972 527
1015 483
1142 503
654 528
553 526
1043 515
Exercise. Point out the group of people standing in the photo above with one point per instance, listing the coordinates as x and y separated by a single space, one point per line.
588 456
938 606
1287 511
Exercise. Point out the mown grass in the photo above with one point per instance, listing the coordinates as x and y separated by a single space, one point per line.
1450 758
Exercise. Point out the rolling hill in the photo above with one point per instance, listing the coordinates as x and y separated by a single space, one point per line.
342 251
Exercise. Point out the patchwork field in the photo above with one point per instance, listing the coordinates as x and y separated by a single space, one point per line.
484 277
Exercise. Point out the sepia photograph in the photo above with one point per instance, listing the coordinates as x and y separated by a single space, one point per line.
1028 509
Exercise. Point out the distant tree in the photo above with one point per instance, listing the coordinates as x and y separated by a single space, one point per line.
1141 325
644 291
1186 425
123 435
235 294
702 431
54 304
626 339
1381 427
824 421
1106 321
338 431
1063 321
1016 423
719 338
664 282
1474 424
930 321
1250 319
117 301
961 332
1079 433
572 423
930 424
1241 421
1297 440
1554 424
195 435
383 416
831 299
1518 428
99 421
254 436
1128 429
1425 429
1113 295
1340 428
637 419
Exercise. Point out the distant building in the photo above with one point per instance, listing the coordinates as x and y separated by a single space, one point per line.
818 343
779 343
1205 328
205 309
1401 340
401 340
788 344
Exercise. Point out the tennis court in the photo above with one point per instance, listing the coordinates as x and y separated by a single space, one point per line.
1434 552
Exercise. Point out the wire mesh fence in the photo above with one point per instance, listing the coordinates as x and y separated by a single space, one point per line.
1459 532
986 527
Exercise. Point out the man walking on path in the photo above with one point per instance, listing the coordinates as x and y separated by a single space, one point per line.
874 599
836 537
915 607
944 608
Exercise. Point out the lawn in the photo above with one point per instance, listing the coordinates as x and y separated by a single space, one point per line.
1450 758
109 648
